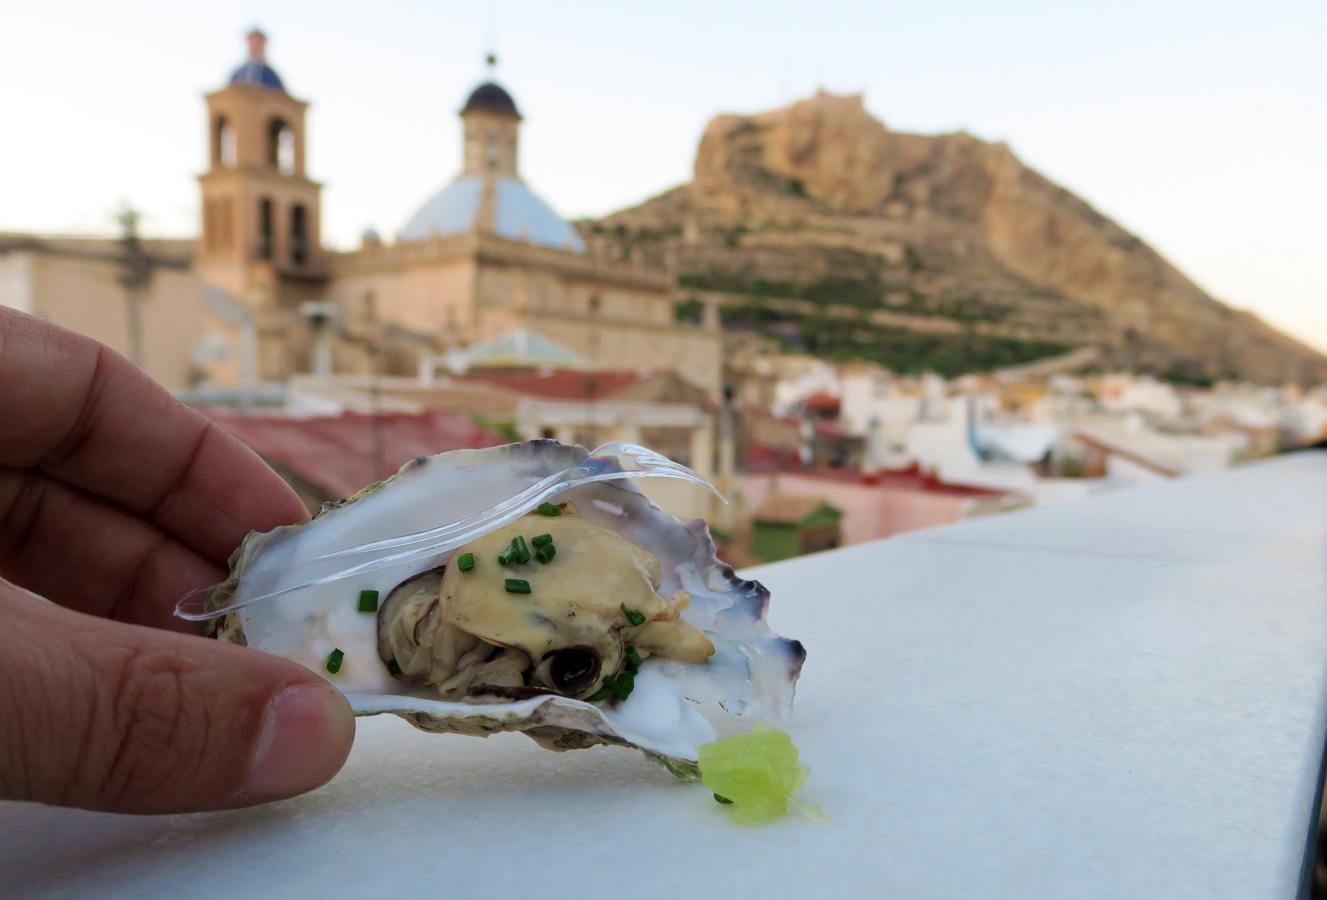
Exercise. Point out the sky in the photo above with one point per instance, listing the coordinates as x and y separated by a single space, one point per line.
1199 126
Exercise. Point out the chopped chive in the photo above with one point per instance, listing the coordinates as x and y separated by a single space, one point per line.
507 557
334 660
722 799
546 553
209 628
633 660
623 685
521 549
540 540
368 601
549 509
392 667
604 692
634 617
517 586
465 562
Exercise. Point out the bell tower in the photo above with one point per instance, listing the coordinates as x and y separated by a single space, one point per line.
261 213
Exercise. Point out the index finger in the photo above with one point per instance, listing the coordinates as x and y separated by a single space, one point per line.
90 418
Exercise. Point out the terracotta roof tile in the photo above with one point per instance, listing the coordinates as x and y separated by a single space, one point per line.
562 384
337 453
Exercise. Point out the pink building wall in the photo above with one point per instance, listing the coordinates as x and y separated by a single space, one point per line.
870 512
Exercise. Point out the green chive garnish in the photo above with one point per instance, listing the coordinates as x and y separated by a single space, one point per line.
465 562
392 668
722 799
540 540
209 628
633 660
507 557
549 509
334 660
521 549
604 692
368 601
623 685
545 553
635 618
517 586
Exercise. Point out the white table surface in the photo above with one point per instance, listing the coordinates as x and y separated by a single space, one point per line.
1125 697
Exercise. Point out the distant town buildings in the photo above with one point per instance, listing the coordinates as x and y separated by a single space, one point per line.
258 299
486 321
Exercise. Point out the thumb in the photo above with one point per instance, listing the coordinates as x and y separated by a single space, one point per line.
130 719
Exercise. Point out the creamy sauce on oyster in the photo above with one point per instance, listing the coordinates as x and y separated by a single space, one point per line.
565 635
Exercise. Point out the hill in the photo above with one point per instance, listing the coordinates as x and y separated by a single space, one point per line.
818 225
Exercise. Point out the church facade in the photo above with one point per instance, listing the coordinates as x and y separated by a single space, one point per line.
483 257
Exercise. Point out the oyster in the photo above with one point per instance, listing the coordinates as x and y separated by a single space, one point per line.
619 627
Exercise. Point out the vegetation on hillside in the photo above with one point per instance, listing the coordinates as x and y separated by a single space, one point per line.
858 293
898 349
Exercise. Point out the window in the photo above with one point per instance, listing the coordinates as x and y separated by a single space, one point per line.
223 144
491 152
266 233
594 304
299 235
281 147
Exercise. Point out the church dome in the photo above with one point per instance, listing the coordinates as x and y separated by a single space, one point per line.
519 214
491 97
259 73
255 70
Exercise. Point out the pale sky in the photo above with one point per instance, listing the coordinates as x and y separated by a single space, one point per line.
1200 126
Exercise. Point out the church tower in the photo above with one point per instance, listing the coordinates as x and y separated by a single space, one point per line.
489 196
492 125
259 240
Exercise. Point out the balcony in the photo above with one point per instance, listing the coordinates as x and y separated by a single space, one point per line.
1125 697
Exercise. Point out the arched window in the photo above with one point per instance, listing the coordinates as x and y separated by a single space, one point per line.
281 147
491 151
299 235
266 230
223 143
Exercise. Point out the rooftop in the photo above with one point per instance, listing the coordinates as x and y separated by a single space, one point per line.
339 453
562 384
519 214
1115 699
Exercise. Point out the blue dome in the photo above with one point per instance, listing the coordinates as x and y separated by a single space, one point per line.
259 73
518 214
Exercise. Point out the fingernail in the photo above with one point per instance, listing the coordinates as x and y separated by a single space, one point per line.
305 737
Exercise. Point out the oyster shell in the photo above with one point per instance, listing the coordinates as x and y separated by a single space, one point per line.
676 705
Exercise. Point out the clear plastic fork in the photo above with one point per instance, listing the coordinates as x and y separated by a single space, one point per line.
608 462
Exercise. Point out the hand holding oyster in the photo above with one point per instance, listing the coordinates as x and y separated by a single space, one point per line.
597 619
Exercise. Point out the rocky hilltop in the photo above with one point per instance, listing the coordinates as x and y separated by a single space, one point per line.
817 224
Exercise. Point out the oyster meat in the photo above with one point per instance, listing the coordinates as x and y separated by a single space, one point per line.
597 619
463 633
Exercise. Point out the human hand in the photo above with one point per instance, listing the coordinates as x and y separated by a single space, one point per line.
116 500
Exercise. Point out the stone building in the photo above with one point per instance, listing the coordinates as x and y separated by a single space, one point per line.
258 298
